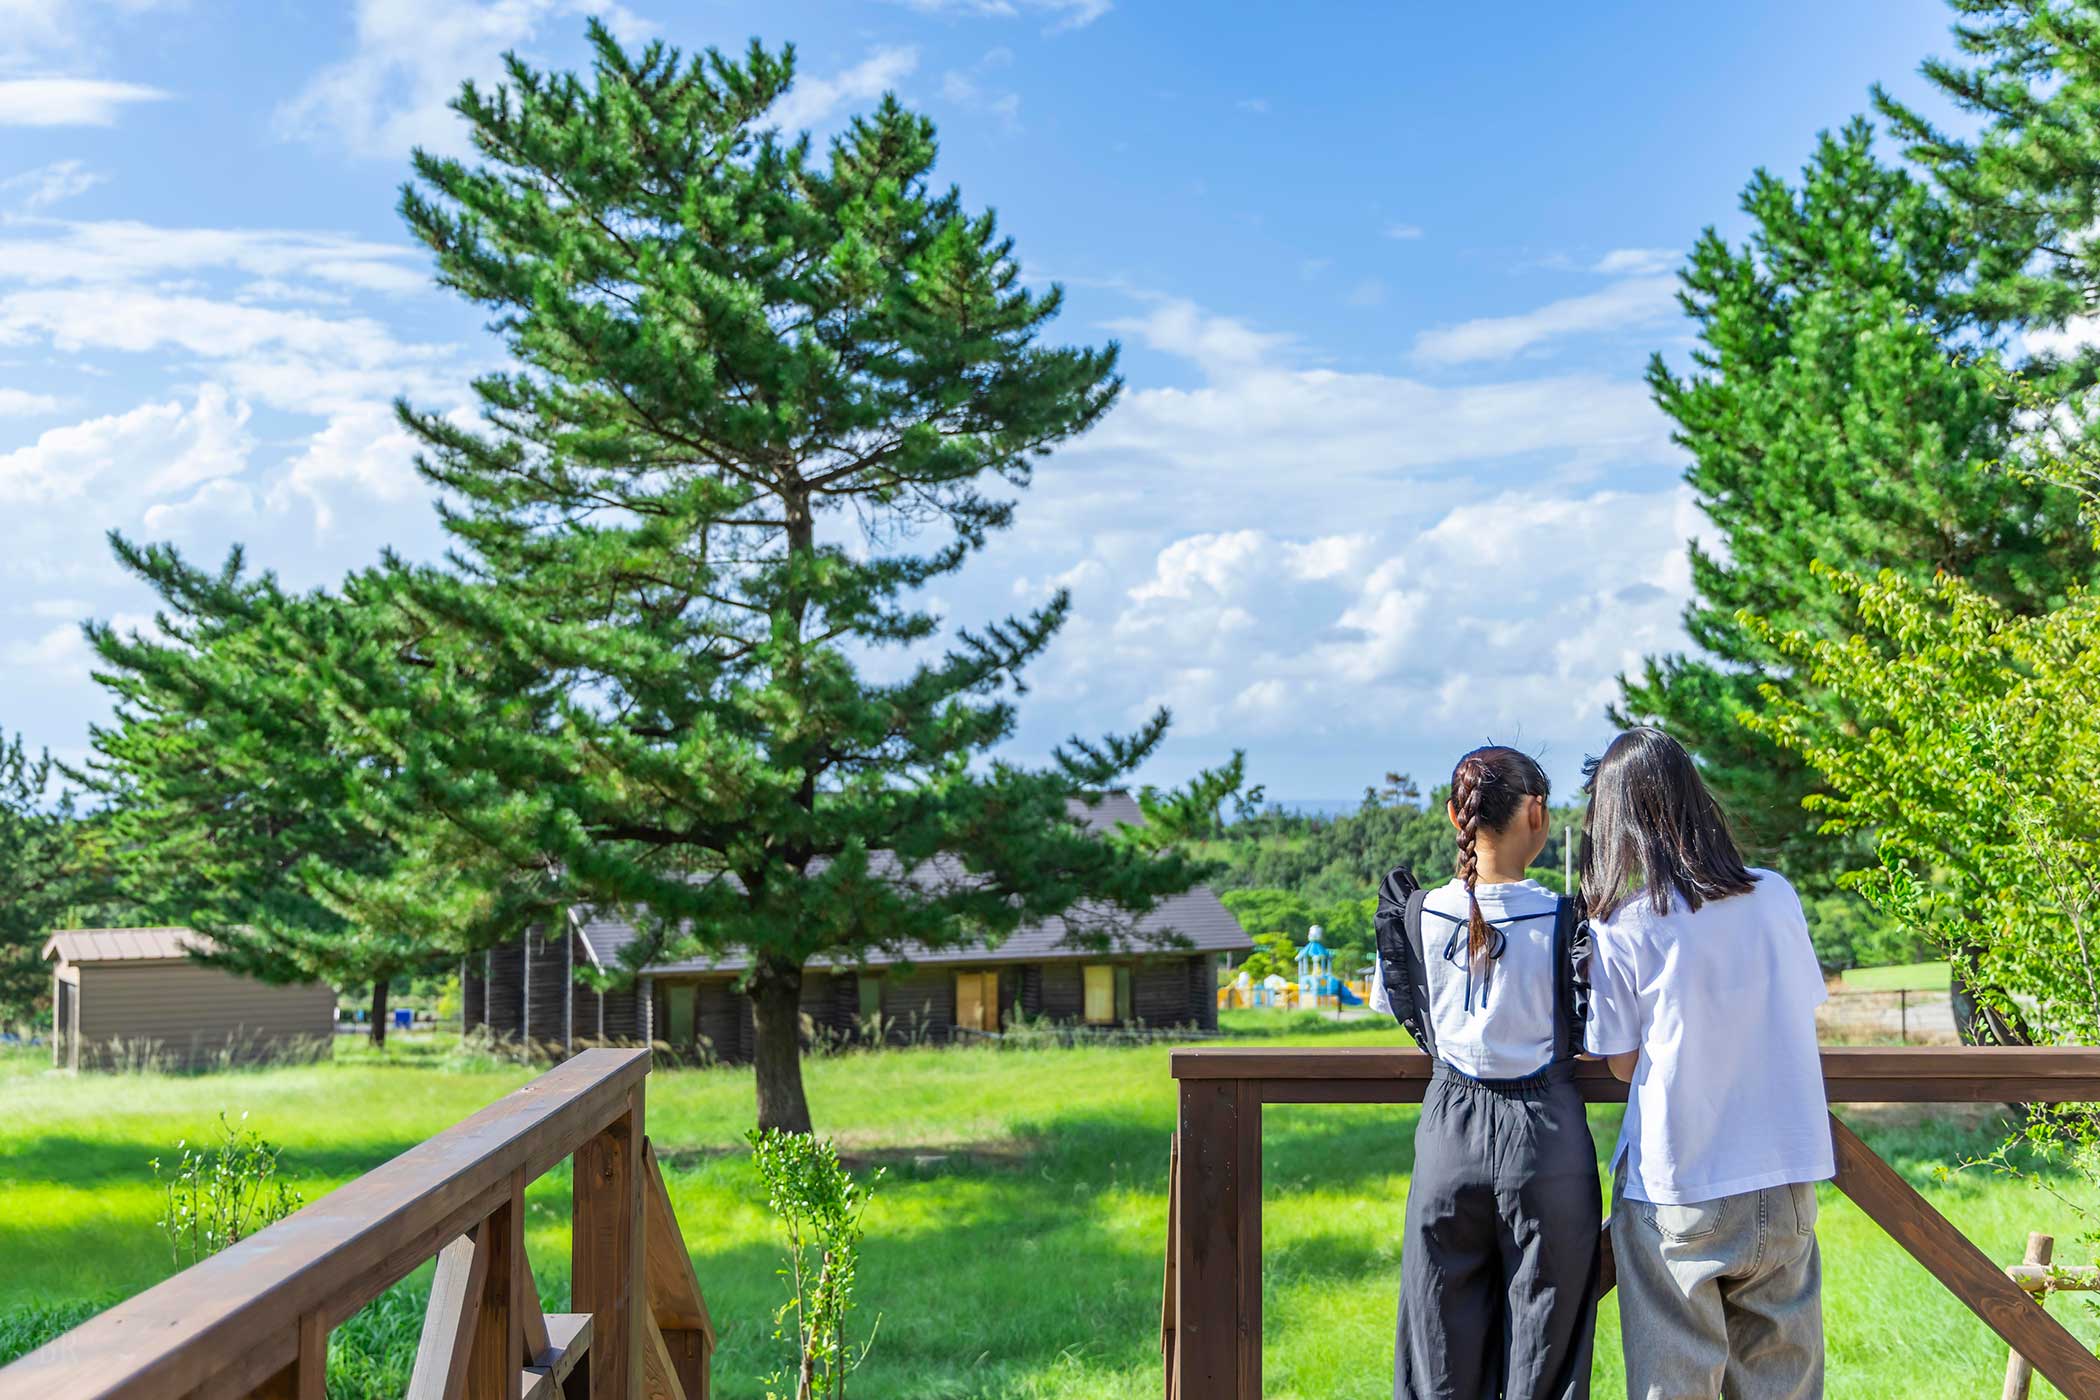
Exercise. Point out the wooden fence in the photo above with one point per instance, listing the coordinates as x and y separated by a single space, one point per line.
253 1320
1210 1333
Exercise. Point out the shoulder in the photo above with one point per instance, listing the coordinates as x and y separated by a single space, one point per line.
1773 891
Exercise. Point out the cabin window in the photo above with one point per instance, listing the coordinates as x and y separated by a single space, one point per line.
1124 1014
1100 994
977 1001
870 997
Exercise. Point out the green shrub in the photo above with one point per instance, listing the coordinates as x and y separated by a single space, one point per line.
219 1195
819 1205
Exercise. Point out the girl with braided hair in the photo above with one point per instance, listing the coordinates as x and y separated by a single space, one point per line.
1498 1294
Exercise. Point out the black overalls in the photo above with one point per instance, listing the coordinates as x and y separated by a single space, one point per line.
1498 1274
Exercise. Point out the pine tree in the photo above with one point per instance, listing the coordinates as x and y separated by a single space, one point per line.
52 871
2027 182
1841 408
227 802
762 399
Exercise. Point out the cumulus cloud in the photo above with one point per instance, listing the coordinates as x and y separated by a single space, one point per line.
154 450
69 101
814 100
1636 301
364 448
408 60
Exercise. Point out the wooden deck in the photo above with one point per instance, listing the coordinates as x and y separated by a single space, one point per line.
1210 1334
254 1319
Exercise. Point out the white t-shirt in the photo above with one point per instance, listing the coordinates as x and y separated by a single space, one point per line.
1721 1003
1499 1027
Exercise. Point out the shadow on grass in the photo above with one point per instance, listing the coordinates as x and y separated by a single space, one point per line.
89 1161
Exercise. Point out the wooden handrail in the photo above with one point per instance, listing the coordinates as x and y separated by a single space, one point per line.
1211 1323
1851 1074
254 1318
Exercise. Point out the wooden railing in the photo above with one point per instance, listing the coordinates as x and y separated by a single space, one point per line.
254 1319
1210 1332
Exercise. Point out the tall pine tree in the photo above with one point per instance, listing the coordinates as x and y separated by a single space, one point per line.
682 656
1840 408
2027 182
53 872
228 804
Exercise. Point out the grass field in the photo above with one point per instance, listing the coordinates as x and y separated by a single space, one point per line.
1027 1264
1911 977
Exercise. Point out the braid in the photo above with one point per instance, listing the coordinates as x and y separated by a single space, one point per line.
1473 774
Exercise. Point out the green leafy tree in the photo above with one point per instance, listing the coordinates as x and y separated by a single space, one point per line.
762 397
1970 750
1331 861
1829 420
1274 955
229 809
53 867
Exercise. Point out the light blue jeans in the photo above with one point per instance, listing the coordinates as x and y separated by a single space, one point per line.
1720 1298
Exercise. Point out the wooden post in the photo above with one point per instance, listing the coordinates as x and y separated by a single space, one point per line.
1966 1271
605 1255
2019 1373
1218 1247
1169 1326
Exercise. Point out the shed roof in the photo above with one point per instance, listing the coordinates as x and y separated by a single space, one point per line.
1194 922
89 945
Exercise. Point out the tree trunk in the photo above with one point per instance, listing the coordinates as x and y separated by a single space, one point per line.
379 990
776 1016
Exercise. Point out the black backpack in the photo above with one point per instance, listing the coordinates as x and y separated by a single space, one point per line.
1405 969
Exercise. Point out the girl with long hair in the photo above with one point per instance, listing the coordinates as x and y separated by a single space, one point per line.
1703 996
1499 1258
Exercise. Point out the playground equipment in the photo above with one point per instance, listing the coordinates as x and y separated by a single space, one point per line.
1318 987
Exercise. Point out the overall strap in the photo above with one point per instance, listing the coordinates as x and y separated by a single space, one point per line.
1565 1024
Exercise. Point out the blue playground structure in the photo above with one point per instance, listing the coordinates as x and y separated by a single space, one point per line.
1316 979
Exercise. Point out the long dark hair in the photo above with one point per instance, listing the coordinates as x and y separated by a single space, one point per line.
1487 787
1652 824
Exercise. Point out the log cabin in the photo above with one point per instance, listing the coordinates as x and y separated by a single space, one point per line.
1163 975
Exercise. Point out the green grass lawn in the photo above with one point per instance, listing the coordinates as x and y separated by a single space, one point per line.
1906 977
1027 1264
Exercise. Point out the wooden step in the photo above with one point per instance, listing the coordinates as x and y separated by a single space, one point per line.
568 1341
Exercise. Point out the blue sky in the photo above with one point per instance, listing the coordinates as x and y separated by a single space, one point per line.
1384 482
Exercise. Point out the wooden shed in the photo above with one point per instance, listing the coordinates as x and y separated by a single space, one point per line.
134 997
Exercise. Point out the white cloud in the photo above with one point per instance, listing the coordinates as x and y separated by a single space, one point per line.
1632 262
1259 106
1403 232
216 502
153 451
69 101
1064 14
38 251
1637 301
812 100
20 403
968 88
1252 438
409 60
364 449
48 185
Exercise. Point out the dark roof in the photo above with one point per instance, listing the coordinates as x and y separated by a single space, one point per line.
1194 922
